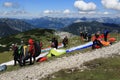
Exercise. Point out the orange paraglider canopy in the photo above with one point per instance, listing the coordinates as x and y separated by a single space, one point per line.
104 43
112 39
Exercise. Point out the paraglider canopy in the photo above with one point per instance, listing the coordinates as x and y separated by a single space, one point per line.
56 52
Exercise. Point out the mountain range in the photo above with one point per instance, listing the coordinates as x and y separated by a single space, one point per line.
57 23
13 26
50 22
10 26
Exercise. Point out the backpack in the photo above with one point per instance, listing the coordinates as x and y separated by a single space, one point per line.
25 50
37 48
20 50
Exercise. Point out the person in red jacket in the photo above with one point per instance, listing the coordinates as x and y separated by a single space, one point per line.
31 50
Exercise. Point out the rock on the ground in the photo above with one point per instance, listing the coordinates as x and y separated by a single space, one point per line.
63 34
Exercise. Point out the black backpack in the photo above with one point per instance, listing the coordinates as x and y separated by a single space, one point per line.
37 48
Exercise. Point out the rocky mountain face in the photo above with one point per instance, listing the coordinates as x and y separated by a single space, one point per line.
13 26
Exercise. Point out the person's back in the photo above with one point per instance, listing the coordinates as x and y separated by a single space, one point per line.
37 48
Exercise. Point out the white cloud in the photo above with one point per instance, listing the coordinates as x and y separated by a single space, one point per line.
111 4
15 12
47 11
8 4
106 13
82 12
81 5
66 11
89 12
92 12
11 5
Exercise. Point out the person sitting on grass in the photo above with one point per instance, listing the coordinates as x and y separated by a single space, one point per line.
96 42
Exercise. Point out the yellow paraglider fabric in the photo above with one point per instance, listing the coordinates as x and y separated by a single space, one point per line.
56 52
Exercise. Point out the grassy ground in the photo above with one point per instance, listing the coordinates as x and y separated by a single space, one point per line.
6 56
75 41
99 69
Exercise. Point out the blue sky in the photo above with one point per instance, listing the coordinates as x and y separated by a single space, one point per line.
59 8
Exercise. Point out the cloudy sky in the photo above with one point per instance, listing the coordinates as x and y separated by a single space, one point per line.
59 8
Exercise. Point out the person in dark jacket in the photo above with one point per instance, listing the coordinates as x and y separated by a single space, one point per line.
89 37
65 41
54 43
16 55
106 32
85 35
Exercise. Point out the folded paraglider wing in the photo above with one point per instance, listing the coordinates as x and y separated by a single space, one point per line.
56 52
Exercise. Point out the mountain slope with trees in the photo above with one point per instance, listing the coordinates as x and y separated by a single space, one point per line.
91 27
43 35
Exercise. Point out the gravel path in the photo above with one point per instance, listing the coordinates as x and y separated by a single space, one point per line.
37 72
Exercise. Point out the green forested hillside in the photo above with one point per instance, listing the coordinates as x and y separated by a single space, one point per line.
43 35
91 27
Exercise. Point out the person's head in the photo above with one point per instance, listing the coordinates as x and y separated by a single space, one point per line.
96 35
81 32
16 44
13 44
